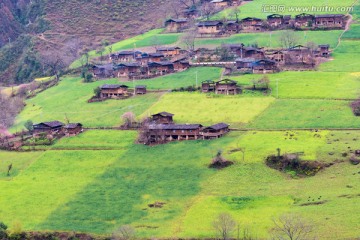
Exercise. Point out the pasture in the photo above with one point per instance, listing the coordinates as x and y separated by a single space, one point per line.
211 109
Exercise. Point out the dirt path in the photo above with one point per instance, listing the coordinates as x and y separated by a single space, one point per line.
347 27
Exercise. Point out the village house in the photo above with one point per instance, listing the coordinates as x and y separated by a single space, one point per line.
191 12
275 20
149 57
113 90
168 51
181 64
251 24
173 132
214 131
129 69
244 64
73 129
221 3
207 86
264 66
304 20
330 21
160 68
176 25
276 55
227 87
299 55
140 90
125 56
323 50
251 52
232 27
162 118
47 127
103 71
209 27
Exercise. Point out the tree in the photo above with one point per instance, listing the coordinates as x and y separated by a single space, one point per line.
101 51
235 13
189 40
207 9
224 224
54 64
125 232
29 125
9 169
128 118
3 232
97 92
289 39
292 227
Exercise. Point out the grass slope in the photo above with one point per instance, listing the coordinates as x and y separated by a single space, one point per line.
211 109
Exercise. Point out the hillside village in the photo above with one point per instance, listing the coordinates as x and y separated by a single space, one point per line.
226 123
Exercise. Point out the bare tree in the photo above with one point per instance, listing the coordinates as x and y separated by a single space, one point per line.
188 39
188 3
288 39
128 118
207 9
125 232
54 64
224 224
292 227
235 13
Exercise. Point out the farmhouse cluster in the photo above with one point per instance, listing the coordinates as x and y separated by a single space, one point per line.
161 129
56 127
302 21
141 65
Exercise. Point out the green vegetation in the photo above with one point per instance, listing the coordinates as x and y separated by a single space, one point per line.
306 113
311 84
272 39
69 100
195 108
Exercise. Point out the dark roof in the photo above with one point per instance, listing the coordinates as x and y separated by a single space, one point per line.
174 126
127 52
304 15
73 125
162 63
209 23
129 64
164 114
298 47
113 86
109 66
180 20
251 19
218 126
287 17
167 48
156 55
252 49
264 61
275 16
329 15
52 124
231 22
324 45
140 87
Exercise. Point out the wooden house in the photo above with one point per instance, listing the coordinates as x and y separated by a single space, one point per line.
174 132
140 90
251 52
168 51
214 131
209 27
324 50
264 66
73 129
221 3
162 118
113 90
287 21
191 12
181 64
275 20
299 55
304 20
129 69
252 24
176 25
276 55
207 86
227 87
126 56
232 27
103 71
244 64
47 127
160 68
330 21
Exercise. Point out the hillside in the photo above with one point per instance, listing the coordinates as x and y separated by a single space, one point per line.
57 26
103 180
